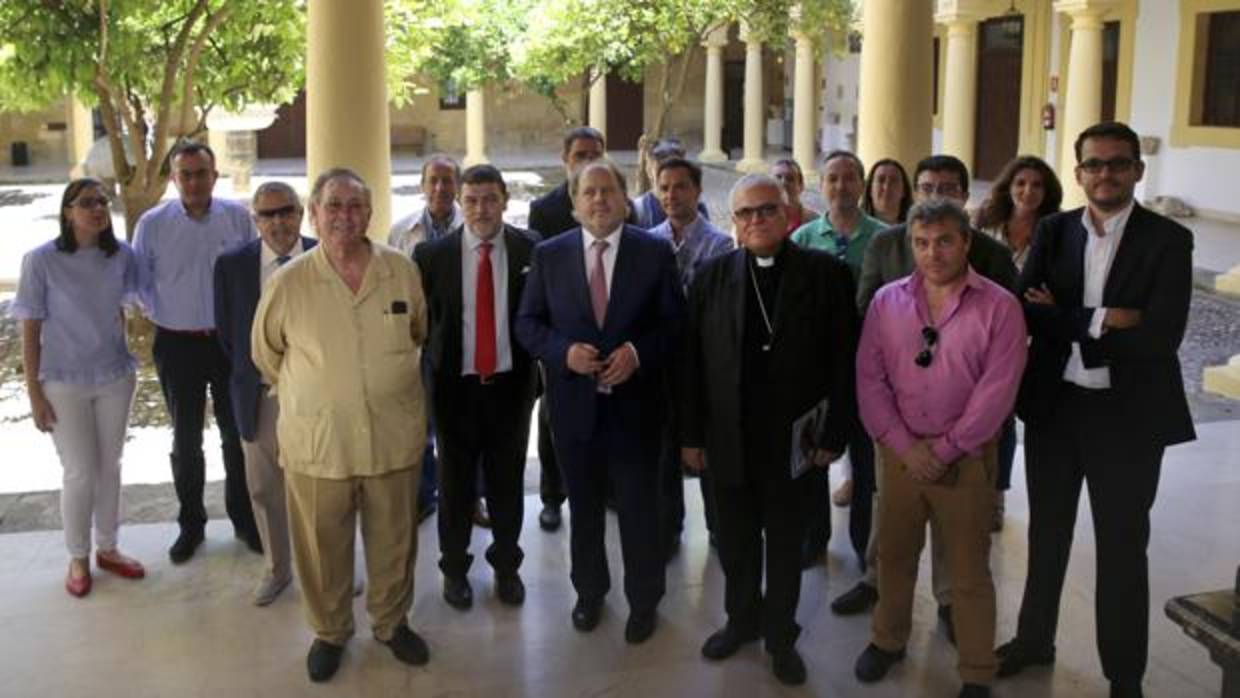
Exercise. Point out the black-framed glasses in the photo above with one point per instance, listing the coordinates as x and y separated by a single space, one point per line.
89 203
753 213
1118 165
282 212
929 338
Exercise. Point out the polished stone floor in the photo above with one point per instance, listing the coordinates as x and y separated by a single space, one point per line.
191 631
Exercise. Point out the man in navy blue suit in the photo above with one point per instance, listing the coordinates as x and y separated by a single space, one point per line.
239 277
602 310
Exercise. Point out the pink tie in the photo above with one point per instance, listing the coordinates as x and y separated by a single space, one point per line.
484 315
598 283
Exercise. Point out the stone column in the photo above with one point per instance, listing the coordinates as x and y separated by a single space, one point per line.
755 113
476 127
79 137
804 113
712 114
894 118
598 101
1082 105
347 122
960 91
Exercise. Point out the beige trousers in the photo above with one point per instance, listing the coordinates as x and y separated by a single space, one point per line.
265 480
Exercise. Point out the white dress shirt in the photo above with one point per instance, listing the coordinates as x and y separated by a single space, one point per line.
470 254
269 261
609 254
1100 248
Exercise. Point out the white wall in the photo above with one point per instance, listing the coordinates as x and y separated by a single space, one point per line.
839 101
1202 177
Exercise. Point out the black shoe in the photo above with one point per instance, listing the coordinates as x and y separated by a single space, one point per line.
457 592
587 613
1126 689
510 589
549 518
408 646
251 540
1014 656
974 690
874 662
945 615
813 555
724 643
184 547
323 660
639 628
858 599
788 667
427 512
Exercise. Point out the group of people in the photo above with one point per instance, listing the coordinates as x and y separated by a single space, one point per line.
891 328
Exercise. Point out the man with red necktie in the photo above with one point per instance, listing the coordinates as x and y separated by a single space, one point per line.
482 382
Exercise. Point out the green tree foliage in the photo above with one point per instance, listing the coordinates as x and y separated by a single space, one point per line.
155 69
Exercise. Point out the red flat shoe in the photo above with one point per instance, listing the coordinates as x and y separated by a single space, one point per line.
121 565
77 586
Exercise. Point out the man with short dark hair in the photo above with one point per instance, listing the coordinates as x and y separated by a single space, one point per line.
176 244
482 382
240 275
1106 290
944 326
550 215
648 208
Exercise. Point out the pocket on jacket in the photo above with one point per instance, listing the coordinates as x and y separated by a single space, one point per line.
300 438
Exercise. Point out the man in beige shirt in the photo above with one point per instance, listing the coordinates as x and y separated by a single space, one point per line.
338 335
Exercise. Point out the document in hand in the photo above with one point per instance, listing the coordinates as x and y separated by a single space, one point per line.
805 431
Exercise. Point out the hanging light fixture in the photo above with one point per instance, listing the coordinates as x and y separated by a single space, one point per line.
1012 23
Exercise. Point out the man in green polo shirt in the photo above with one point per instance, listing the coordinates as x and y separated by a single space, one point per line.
845 230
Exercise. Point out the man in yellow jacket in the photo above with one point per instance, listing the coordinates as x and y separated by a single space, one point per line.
338 334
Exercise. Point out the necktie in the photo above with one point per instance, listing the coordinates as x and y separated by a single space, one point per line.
598 283
484 315
283 259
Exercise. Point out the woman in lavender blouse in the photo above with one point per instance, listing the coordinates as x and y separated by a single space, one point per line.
79 372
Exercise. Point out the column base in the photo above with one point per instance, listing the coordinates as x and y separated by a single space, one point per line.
471 160
751 165
712 156
1223 380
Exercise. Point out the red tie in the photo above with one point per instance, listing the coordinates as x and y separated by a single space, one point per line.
484 317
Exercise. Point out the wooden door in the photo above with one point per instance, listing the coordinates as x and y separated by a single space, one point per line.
997 126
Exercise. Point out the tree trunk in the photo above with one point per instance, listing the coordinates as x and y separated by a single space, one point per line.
138 200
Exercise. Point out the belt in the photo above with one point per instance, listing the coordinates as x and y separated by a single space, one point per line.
475 379
188 333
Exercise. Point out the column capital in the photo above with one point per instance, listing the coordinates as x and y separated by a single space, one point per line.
746 36
1085 9
716 36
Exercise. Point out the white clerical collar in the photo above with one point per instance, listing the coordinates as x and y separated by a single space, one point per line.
764 262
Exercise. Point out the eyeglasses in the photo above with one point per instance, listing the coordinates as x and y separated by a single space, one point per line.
942 188
750 214
282 212
90 203
929 337
1117 165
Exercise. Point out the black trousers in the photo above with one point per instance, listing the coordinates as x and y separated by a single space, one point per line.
762 523
486 433
1085 441
861 458
550 480
188 364
627 462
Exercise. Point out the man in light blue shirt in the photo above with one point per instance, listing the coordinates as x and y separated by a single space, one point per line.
177 243
695 240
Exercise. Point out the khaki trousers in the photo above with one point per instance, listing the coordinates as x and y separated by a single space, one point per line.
940 581
265 480
963 512
322 514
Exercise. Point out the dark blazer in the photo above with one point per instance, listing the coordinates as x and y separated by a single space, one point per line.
812 356
646 306
552 213
889 257
237 287
439 261
1152 272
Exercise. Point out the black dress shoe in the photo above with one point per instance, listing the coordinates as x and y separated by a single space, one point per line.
724 643
874 662
251 540
408 646
1014 656
184 546
639 628
858 599
510 589
975 690
323 660
788 667
457 592
549 518
1126 689
587 613
949 626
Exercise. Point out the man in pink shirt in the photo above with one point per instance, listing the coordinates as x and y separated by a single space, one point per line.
939 363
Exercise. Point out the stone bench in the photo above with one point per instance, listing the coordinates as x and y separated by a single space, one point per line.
1213 620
